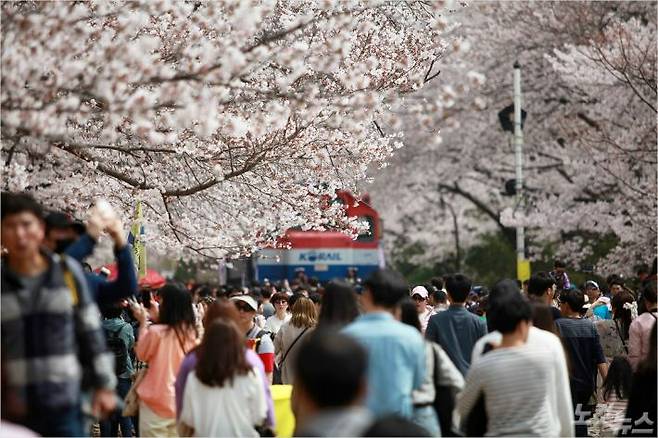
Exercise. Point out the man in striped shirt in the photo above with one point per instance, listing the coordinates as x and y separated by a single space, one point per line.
559 393
515 378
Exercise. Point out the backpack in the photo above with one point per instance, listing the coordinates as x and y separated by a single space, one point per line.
119 348
259 338
69 281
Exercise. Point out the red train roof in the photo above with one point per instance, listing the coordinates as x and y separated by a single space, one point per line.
323 239
335 239
356 207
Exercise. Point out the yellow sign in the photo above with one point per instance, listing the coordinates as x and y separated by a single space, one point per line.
135 239
522 269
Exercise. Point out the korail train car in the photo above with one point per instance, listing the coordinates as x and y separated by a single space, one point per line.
325 254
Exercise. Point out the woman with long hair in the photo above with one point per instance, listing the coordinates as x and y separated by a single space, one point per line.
613 333
339 305
290 336
610 410
542 317
224 395
223 309
643 399
424 414
163 345
406 313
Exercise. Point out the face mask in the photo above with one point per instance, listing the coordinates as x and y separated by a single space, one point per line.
62 244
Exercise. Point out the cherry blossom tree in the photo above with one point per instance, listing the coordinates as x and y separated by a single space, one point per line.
613 188
589 83
229 120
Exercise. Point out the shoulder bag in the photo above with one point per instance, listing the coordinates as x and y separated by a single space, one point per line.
277 378
623 342
131 402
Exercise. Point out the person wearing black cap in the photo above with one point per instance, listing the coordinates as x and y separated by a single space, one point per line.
67 236
62 231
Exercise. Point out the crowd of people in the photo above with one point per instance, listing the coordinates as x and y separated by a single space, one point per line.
371 357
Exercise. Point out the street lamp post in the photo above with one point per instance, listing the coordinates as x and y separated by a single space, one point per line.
522 268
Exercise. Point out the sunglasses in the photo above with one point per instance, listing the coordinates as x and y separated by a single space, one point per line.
244 308
281 302
418 298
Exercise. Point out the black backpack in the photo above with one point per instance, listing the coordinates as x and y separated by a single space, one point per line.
119 348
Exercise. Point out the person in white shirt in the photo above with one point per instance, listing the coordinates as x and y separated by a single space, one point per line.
559 392
420 296
224 395
516 377
281 315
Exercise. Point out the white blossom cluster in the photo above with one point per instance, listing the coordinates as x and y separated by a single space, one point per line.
232 121
614 155
589 88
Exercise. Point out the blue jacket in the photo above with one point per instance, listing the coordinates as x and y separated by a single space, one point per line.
103 291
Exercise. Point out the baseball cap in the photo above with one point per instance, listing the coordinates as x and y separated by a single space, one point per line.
419 290
58 219
591 283
246 299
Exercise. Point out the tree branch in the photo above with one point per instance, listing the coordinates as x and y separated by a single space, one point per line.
509 233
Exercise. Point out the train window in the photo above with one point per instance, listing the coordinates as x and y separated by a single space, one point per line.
369 235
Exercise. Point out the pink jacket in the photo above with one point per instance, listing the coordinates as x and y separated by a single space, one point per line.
638 337
159 346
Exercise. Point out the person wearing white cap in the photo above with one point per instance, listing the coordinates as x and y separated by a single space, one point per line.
600 305
257 339
420 296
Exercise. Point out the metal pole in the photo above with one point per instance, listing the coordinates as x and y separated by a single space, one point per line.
518 164
455 223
